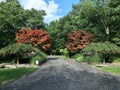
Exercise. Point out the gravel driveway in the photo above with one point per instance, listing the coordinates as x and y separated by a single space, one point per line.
60 74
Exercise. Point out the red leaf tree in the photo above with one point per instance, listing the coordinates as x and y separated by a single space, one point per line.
37 37
78 40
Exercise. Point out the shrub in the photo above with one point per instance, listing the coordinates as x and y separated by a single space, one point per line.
93 58
79 57
116 41
41 57
116 58
54 52
64 51
8 60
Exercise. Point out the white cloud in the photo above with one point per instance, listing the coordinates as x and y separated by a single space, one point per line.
51 8
2 0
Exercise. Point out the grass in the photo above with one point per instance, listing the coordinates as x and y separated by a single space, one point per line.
61 56
116 60
12 74
113 70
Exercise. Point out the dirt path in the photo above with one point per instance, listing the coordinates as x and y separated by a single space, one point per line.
60 74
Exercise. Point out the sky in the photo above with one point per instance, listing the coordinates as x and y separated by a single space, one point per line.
54 9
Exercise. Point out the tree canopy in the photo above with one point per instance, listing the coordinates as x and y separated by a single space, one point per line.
13 17
37 37
78 40
98 17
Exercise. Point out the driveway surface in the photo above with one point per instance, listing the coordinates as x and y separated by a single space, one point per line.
61 74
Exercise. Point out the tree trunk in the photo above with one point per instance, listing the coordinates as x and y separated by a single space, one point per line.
103 60
17 60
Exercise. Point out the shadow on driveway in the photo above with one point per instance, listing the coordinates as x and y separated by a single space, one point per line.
60 74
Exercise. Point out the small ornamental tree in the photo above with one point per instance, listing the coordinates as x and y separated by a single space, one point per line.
17 51
38 38
105 49
78 40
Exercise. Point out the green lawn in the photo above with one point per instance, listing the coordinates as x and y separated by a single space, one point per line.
11 74
113 70
61 56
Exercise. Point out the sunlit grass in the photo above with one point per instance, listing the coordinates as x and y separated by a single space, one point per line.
113 70
61 56
11 74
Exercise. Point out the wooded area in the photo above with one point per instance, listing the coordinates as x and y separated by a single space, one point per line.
97 21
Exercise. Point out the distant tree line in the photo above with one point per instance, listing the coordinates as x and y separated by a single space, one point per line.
98 17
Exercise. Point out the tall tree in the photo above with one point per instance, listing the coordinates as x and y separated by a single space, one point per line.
99 17
34 18
57 35
115 21
13 17
10 21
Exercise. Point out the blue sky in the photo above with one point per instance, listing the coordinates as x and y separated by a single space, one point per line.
55 9
64 5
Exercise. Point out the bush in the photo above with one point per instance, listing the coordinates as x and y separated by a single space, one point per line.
116 59
41 57
64 52
79 57
93 58
8 60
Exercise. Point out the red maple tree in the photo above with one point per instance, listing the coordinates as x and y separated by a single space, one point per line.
36 37
78 40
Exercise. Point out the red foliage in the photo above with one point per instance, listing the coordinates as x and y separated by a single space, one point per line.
78 40
37 37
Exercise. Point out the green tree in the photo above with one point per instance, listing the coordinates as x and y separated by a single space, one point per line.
57 35
13 17
115 21
15 50
99 17
34 18
92 15
10 21
105 49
